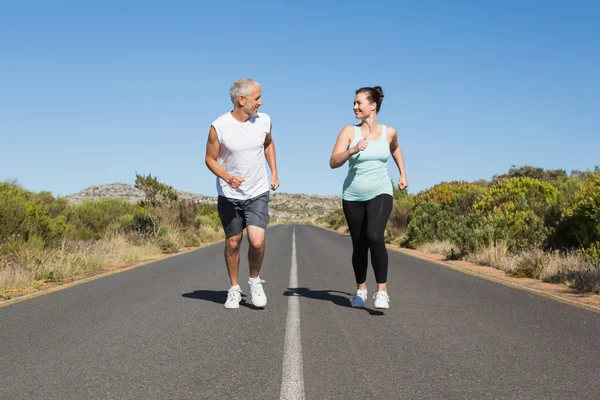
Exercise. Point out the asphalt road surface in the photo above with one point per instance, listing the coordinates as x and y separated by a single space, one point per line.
160 332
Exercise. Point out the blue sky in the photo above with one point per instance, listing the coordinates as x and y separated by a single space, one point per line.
90 94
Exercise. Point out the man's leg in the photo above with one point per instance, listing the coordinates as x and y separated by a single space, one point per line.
233 227
232 257
256 212
256 251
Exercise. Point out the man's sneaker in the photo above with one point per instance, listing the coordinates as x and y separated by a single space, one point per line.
359 298
382 300
257 293
234 295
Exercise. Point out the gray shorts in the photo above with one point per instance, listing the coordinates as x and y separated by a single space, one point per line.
238 214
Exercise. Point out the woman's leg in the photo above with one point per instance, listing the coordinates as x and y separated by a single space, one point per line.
377 215
354 212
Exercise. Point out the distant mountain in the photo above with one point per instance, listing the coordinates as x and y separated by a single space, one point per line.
283 207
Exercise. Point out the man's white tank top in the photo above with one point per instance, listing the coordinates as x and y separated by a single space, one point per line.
243 154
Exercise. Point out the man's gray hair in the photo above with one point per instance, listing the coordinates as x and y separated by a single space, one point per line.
241 87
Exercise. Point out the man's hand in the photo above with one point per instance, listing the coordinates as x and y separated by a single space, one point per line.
236 181
274 182
402 183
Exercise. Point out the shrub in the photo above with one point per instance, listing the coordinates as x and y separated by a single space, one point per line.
580 226
443 193
92 218
166 245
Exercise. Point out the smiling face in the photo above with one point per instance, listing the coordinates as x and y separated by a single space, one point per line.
252 101
363 106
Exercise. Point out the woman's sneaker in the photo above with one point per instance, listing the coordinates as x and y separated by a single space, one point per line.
382 300
359 298
234 295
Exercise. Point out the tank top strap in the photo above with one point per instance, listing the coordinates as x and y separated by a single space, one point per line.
357 136
383 133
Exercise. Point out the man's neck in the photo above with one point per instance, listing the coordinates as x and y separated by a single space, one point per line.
240 115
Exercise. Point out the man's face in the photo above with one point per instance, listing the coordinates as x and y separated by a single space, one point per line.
252 101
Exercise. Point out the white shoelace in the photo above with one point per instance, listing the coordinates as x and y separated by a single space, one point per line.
383 294
231 294
254 286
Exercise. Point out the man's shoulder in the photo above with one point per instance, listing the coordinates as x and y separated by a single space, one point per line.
263 115
222 118
263 118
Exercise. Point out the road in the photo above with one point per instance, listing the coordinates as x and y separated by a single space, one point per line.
160 332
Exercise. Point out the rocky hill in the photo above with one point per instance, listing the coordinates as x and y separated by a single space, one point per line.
283 207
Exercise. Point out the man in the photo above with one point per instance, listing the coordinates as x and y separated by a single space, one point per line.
240 139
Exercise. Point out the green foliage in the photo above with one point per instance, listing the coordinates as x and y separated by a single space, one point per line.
334 220
24 214
580 226
403 204
517 209
444 193
166 245
431 222
593 253
521 194
93 219
155 192
527 171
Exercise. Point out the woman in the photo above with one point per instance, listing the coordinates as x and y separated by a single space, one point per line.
367 196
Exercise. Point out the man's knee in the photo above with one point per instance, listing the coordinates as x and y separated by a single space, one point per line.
257 243
232 243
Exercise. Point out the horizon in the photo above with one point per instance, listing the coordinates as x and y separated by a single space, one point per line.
569 172
92 94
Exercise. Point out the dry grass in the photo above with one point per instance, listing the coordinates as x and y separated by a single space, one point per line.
442 248
210 234
29 265
26 265
495 256
573 269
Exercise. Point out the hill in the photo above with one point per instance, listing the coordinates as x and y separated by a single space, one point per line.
283 207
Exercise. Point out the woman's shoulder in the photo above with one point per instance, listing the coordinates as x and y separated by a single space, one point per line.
390 131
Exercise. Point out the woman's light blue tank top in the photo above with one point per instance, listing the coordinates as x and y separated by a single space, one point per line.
367 174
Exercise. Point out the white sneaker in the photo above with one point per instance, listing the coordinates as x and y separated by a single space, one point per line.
234 295
359 298
382 300
259 298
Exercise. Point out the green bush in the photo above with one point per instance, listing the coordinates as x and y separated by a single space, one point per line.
335 219
24 214
13 211
528 171
166 245
429 222
524 193
399 218
580 226
92 218
444 193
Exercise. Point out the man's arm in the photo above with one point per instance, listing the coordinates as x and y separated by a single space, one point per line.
212 160
271 159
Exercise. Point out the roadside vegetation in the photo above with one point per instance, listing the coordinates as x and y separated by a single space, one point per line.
528 222
47 239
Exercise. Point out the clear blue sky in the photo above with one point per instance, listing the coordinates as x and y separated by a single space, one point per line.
90 93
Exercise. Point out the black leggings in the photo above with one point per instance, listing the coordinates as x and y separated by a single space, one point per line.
367 221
